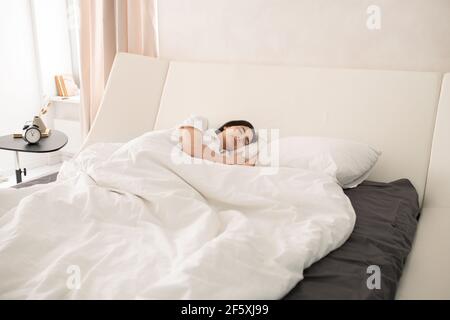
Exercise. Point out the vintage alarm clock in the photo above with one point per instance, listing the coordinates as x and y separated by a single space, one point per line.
34 131
31 133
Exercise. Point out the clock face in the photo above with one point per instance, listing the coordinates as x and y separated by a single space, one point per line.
32 135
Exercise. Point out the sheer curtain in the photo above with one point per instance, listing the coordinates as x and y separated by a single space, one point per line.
108 27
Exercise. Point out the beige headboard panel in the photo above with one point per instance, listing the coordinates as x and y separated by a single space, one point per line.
131 99
438 181
394 111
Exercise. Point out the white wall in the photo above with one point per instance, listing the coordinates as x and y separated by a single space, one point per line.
414 34
19 87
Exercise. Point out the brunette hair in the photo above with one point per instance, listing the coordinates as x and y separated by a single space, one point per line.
242 123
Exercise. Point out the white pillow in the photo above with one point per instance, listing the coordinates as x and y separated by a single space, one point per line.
348 161
249 151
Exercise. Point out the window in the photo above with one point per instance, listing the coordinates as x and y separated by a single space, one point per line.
56 30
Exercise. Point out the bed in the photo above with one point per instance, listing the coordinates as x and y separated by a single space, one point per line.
364 105
386 221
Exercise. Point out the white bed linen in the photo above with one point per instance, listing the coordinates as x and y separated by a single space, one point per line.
139 225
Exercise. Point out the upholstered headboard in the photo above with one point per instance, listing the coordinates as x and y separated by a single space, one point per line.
392 110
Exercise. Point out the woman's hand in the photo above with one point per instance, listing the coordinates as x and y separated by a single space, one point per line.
234 158
251 161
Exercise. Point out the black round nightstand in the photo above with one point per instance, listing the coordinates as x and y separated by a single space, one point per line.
55 141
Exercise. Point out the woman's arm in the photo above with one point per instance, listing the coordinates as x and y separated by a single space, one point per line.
191 141
192 144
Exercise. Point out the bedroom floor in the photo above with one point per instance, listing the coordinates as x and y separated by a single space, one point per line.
31 174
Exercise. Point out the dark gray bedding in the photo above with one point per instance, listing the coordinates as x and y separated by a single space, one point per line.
386 220
41 180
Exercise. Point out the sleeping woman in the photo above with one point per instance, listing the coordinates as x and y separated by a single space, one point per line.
217 145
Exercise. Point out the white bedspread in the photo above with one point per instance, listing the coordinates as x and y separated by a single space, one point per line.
132 223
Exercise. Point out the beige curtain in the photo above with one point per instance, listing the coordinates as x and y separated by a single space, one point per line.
108 27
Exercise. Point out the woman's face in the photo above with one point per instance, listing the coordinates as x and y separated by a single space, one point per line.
236 137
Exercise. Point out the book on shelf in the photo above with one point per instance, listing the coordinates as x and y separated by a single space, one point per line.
59 89
66 86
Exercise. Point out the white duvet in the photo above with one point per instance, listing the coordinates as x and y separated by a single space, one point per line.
128 221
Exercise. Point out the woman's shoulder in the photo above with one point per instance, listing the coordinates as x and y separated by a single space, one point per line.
195 121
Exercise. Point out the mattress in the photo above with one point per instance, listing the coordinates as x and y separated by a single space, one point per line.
387 215
386 221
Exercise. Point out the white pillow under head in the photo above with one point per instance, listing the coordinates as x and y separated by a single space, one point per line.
350 162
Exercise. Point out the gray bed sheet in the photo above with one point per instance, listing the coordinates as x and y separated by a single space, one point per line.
386 221
41 180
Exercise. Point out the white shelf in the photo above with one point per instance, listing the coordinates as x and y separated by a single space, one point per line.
65 116
74 99
73 131
66 108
